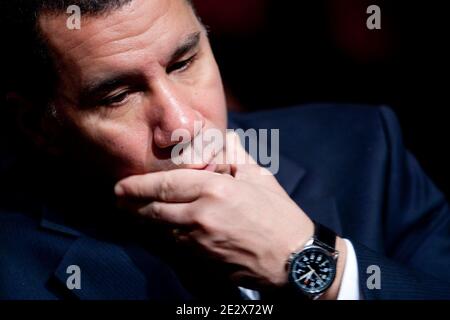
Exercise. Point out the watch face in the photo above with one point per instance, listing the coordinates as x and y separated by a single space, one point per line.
313 270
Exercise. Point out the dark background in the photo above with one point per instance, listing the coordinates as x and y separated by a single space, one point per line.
280 53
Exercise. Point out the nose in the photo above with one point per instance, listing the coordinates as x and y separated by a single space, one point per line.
174 112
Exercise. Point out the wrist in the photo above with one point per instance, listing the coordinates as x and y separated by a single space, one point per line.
293 241
316 270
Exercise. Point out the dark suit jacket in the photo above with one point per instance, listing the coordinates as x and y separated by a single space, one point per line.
345 166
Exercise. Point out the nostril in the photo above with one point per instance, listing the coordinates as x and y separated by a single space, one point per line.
162 153
167 139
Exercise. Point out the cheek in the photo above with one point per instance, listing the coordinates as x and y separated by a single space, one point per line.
210 97
120 147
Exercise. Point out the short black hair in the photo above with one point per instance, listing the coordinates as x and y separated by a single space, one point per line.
26 61
25 58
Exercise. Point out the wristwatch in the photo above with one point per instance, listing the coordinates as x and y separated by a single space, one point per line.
312 269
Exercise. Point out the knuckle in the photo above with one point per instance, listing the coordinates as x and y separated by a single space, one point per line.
204 221
153 210
189 215
218 189
199 218
166 187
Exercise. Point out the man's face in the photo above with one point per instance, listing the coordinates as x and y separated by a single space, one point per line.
128 79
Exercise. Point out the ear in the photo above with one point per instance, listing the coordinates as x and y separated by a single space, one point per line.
34 123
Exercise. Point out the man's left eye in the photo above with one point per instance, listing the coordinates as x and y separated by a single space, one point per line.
181 65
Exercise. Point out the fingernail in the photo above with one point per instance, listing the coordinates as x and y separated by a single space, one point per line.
118 190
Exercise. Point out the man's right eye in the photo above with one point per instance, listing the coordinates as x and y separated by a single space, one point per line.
116 99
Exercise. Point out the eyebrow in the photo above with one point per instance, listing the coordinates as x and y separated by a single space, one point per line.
190 43
111 81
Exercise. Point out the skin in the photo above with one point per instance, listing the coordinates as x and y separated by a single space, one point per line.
234 214
133 136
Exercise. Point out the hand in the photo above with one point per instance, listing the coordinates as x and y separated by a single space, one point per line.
245 219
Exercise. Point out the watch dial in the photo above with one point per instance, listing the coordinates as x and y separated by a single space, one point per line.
313 270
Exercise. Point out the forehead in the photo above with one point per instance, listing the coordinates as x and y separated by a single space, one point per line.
140 29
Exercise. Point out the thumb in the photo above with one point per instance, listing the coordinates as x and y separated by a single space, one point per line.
235 152
243 165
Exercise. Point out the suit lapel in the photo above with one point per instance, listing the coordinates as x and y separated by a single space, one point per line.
289 174
53 221
109 271
106 272
319 208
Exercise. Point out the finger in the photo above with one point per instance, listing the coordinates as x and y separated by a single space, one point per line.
243 165
171 186
178 214
235 152
246 168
